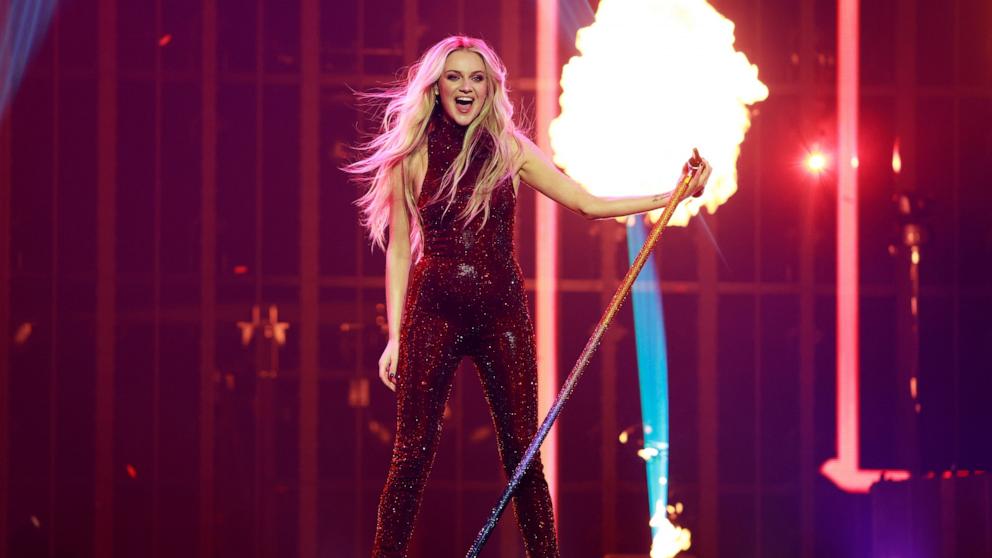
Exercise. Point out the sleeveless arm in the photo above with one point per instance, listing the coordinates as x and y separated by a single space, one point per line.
537 170
397 258
398 254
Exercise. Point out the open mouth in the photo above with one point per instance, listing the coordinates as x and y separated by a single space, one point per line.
464 104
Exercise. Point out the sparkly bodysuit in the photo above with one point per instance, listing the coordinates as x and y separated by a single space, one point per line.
465 297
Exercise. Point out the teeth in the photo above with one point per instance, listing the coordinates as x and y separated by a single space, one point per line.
468 99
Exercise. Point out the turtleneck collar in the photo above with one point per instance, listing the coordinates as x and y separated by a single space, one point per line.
443 122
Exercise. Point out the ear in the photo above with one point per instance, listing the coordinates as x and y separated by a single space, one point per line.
437 92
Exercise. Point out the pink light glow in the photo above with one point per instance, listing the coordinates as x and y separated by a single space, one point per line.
845 470
546 233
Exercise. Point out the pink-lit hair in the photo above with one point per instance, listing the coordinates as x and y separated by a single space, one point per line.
408 107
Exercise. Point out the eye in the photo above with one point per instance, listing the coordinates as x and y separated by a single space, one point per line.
452 77
478 78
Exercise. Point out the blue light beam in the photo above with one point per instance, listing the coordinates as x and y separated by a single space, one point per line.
24 26
652 365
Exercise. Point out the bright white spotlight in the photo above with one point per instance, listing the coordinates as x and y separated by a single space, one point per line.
816 161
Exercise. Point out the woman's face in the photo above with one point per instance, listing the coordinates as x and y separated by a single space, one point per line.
463 86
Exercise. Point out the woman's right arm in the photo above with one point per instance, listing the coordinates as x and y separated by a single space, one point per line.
397 275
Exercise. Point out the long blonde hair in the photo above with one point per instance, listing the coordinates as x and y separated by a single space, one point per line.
386 158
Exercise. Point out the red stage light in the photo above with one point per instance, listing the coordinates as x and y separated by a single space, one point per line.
165 39
845 469
816 161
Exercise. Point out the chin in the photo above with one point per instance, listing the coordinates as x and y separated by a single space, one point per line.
462 119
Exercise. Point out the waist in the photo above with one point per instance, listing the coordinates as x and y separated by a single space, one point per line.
467 243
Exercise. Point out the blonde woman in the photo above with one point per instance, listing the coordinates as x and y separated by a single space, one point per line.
442 176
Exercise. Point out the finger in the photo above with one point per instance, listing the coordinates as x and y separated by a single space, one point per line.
389 383
392 373
697 188
703 174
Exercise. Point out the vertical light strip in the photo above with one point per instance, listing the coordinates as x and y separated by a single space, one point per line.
155 532
807 327
309 387
208 275
845 470
847 228
546 233
53 289
53 372
5 189
106 272
652 367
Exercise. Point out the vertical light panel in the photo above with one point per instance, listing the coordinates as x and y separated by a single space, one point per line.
208 275
5 187
847 228
309 245
106 271
156 248
53 293
546 239
845 469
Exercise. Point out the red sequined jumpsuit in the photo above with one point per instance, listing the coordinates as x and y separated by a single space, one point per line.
465 297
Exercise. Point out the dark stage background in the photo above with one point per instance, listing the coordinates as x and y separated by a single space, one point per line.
169 165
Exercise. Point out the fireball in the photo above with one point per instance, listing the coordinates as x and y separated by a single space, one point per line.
669 539
655 78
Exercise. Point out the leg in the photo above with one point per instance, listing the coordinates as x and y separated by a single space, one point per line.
506 359
427 361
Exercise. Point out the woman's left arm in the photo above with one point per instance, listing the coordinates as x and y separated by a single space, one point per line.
538 171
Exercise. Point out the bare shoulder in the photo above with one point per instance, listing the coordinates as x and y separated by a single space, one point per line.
520 146
523 150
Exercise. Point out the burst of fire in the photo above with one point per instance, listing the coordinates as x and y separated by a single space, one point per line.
655 79
670 539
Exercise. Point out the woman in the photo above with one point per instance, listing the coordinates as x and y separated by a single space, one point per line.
442 176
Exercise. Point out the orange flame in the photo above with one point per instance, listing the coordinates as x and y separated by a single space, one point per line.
654 80
670 539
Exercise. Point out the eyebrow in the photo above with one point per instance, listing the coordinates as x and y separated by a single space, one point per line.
473 72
